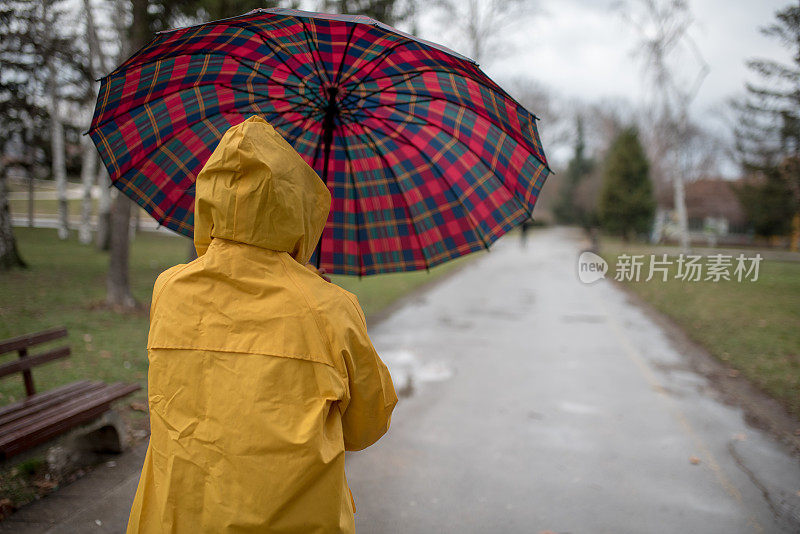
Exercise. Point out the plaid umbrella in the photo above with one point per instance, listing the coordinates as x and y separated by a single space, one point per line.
426 158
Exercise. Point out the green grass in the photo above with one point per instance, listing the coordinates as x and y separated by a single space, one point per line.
377 292
47 207
65 285
752 326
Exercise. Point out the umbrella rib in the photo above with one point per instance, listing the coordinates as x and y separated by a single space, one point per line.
463 105
319 68
189 88
284 53
344 54
373 143
382 56
172 208
454 136
411 75
435 168
416 101
302 126
407 76
355 200
418 71
214 114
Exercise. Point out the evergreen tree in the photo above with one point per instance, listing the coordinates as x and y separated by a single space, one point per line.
567 211
768 133
38 65
627 204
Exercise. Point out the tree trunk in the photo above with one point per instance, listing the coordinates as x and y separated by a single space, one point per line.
9 256
102 238
680 212
88 169
192 253
119 291
29 172
137 222
118 283
29 160
59 163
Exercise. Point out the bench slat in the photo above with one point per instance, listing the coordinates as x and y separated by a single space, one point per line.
28 409
29 340
79 402
41 397
32 361
60 424
61 418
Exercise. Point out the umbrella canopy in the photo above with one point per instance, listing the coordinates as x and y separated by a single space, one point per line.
426 158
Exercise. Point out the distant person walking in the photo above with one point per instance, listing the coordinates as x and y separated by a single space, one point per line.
261 372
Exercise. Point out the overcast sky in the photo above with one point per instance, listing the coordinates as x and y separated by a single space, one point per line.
584 48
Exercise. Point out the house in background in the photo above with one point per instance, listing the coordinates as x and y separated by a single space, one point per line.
714 211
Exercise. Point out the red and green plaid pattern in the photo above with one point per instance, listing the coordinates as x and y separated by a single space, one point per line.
430 159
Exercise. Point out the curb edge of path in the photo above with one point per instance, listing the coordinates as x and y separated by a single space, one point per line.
760 409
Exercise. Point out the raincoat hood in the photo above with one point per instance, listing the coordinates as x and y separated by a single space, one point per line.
256 189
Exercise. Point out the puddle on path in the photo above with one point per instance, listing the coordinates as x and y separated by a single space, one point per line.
408 371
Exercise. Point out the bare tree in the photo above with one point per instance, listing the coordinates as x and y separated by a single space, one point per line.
665 45
391 12
99 64
88 169
555 114
102 238
480 24
118 283
59 166
9 255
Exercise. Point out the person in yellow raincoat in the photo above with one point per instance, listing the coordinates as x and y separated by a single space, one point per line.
261 373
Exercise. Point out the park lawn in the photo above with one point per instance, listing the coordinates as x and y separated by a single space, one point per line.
47 206
65 285
752 326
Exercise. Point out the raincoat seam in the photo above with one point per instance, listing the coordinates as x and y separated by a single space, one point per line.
354 301
236 195
311 309
231 351
167 281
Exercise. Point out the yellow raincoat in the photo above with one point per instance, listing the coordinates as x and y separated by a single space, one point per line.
261 373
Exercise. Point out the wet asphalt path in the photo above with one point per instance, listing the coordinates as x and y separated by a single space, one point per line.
537 404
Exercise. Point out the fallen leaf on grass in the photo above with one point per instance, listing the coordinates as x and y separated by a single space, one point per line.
105 353
139 406
45 484
6 508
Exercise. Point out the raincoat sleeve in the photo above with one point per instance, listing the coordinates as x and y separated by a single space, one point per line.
372 395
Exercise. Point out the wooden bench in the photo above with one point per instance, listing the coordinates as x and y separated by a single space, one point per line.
43 416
